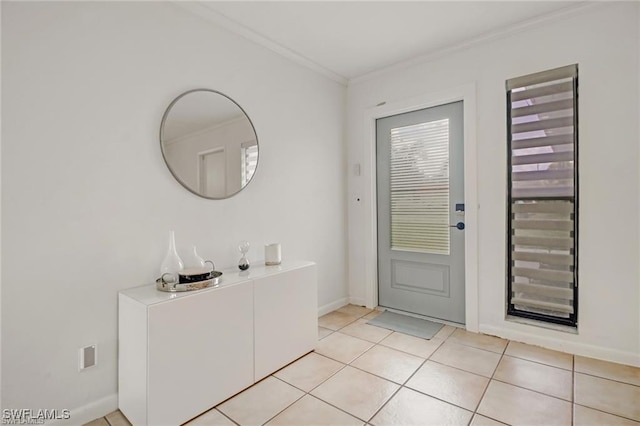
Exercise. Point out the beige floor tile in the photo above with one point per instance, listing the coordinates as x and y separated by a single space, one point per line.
605 395
583 416
342 348
479 420
117 419
356 311
335 320
356 392
323 332
413 345
311 411
449 384
608 370
260 402
388 363
480 341
309 371
517 406
211 418
98 422
538 377
372 314
541 355
445 332
409 407
467 358
362 330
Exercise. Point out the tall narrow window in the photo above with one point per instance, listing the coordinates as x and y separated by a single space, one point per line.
542 120
249 152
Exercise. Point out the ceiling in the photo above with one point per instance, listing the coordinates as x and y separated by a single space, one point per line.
196 111
348 39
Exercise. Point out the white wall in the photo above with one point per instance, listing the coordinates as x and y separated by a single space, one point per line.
603 40
87 201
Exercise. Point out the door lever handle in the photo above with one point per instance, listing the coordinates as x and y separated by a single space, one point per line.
459 225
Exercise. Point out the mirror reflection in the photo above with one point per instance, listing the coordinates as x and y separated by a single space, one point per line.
209 143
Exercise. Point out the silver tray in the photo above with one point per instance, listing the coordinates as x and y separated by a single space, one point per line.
198 285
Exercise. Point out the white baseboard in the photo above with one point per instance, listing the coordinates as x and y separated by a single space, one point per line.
330 307
564 345
89 412
358 301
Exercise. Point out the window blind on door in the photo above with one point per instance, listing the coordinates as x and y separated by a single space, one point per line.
419 184
542 131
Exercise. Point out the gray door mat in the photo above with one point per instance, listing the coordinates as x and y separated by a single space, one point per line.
405 324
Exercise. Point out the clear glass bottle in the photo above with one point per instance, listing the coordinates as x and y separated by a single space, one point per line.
172 264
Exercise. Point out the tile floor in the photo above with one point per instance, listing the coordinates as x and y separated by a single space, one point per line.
360 374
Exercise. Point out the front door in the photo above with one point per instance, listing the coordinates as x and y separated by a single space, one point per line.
420 191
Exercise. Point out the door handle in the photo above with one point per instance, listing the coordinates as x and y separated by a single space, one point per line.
459 225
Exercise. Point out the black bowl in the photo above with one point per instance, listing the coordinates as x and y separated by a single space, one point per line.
194 275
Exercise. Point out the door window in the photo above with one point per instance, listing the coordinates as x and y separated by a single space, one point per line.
419 185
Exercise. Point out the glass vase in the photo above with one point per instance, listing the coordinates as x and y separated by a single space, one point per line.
193 260
172 264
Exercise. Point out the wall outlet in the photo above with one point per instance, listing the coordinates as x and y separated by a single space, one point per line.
88 357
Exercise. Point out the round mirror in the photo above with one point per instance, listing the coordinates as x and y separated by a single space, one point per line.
209 143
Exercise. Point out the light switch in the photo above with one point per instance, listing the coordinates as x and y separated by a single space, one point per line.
88 356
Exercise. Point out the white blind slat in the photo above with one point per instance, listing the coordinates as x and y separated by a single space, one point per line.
542 274
553 123
544 141
542 108
543 175
551 225
557 207
551 157
541 242
544 290
560 191
546 258
537 92
558 307
543 77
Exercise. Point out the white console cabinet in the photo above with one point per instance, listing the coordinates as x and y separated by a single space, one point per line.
183 353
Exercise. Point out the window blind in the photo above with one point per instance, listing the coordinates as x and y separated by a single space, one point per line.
249 161
419 183
542 225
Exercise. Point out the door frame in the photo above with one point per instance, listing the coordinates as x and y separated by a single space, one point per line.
467 94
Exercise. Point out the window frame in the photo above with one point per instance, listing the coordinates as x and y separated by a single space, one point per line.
572 320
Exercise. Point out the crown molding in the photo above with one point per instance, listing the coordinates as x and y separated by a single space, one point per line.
201 10
483 38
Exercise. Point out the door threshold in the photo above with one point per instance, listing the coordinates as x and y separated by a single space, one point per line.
425 317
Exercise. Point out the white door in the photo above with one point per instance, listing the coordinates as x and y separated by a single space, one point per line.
420 191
